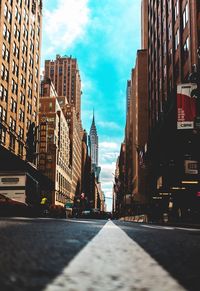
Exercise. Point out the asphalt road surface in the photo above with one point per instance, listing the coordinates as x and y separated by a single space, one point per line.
93 255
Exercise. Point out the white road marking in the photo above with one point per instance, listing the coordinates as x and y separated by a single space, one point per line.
158 227
189 229
112 261
81 221
170 227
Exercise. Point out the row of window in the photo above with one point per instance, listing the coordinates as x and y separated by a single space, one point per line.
15 68
15 71
12 140
13 108
7 35
19 2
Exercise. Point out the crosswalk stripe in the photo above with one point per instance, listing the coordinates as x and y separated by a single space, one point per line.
112 261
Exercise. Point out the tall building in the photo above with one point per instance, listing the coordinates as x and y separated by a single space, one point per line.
128 95
129 136
75 135
173 42
172 50
93 143
20 41
54 145
94 151
64 73
139 107
86 171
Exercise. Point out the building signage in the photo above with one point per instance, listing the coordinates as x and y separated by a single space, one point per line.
186 106
10 180
191 167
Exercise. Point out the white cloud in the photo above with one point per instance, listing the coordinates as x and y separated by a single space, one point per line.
65 24
122 24
108 145
109 124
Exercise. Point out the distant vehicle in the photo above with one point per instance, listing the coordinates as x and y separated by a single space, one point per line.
86 214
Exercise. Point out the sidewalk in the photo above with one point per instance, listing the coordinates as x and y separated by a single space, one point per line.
144 219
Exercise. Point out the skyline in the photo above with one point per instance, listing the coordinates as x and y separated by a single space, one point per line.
90 32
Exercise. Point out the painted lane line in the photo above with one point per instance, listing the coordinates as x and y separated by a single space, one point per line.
159 227
112 261
170 228
81 221
188 229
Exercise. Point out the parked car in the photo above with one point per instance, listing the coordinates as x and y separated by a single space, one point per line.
10 207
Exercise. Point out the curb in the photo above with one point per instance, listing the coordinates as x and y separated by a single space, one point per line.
144 219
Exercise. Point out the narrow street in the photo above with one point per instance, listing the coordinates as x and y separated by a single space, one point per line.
54 255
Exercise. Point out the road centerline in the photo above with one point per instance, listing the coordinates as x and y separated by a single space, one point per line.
113 261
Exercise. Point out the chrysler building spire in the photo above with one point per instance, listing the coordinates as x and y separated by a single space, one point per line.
94 143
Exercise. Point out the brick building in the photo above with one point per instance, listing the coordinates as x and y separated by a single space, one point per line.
75 135
20 39
64 73
173 42
54 145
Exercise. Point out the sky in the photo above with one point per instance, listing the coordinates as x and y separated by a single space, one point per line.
104 36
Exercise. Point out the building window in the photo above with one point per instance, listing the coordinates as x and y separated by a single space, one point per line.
12 142
2 135
170 31
21 132
176 71
14 87
20 148
170 56
3 50
169 5
3 94
176 9
4 30
22 98
4 73
185 16
21 115
186 48
5 10
177 39
13 105
12 124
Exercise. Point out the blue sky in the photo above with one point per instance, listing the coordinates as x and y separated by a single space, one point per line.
104 36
